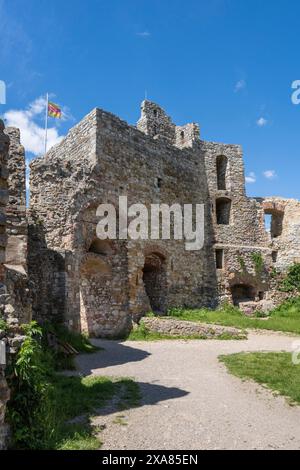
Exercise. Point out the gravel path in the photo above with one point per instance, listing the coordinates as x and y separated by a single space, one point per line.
189 399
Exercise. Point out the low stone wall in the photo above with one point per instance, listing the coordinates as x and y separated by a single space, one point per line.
173 327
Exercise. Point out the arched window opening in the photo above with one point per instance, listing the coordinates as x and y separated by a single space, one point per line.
221 172
223 211
273 222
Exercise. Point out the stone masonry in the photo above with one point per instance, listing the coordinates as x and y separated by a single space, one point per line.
53 267
15 298
4 391
100 286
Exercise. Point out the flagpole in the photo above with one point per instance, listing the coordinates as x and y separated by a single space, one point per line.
46 122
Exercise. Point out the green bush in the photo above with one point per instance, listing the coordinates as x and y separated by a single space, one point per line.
3 325
29 381
288 309
176 312
292 281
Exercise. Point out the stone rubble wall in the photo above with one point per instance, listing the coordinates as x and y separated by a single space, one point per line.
16 250
173 327
245 233
287 244
4 391
15 295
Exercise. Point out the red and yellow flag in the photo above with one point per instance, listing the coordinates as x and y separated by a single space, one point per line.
54 110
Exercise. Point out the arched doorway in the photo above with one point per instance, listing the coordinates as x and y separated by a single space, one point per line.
242 293
155 283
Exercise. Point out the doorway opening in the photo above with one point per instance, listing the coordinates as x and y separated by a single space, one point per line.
242 293
154 278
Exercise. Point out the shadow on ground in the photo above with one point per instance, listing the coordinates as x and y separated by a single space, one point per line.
112 353
116 353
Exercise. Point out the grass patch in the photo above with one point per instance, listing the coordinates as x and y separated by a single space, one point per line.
72 397
274 370
75 396
79 341
285 318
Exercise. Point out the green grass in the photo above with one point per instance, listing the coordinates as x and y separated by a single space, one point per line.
50 411
79 341
274 370
142 333
285 318
73 397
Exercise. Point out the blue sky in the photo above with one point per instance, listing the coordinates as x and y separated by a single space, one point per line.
227 64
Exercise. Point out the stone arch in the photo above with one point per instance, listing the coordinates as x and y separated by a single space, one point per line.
85 225
242 292
223 210
101 247
221 167
155 280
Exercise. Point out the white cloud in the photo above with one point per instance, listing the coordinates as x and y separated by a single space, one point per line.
262 122
270 174
251 178
144 34
240 85
32 134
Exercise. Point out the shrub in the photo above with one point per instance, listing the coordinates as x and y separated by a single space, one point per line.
289 308
258 263
33 408
3 325
292 280
29 383
176 312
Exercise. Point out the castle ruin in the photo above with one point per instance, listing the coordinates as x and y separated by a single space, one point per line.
53 267
100 286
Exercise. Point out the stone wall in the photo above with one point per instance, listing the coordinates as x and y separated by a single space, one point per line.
99 289
4 392
111 159
16 250
15 295
174 327
284 234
